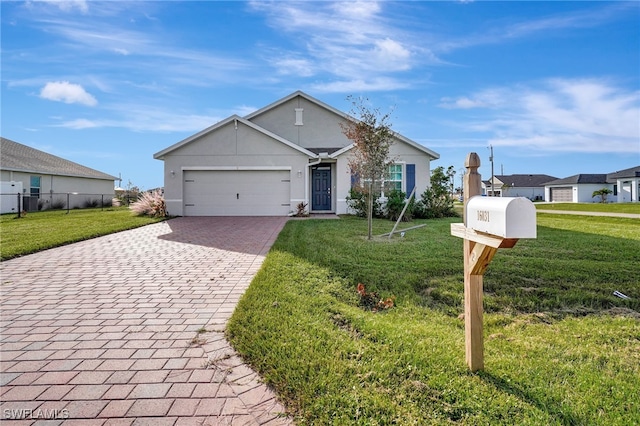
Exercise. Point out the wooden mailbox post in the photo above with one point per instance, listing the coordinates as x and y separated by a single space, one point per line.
490 223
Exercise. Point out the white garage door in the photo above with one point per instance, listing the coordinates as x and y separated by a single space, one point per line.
562 194
237 193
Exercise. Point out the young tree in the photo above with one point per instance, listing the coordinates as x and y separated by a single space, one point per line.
372 138
437 200
602 193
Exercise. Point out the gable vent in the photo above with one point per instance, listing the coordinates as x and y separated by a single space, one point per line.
299 116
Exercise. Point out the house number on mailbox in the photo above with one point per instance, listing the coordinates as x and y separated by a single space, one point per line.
483 215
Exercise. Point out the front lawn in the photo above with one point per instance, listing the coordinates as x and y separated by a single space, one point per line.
51 228
592 207
560 348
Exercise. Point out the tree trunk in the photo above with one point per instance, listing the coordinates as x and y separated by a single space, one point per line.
370 211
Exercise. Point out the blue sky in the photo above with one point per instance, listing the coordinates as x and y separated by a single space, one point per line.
554 87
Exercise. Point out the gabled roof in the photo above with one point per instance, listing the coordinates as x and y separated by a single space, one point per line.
522 181
578 179
159 155
434 155
626 173
21 158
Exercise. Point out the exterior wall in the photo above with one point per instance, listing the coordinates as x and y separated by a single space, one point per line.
530 192
585 191
232 149
54 188
320 128
402 154
628 191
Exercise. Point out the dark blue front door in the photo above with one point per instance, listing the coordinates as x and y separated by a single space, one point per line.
321 188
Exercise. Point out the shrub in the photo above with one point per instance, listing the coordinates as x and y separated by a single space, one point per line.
91 203
58 204
115 202
436 201
395 203
301 210
150 204
357 201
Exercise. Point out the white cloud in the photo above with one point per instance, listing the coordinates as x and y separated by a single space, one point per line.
293 66
66 92
361 85
569 115
144 118
79 124
344 40
64 5
460 103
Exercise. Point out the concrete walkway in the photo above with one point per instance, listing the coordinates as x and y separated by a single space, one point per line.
127 329
580 213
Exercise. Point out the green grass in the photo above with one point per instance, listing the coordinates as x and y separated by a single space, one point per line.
559 347
592 207
46 229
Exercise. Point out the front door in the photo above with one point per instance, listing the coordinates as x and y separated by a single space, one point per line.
321 188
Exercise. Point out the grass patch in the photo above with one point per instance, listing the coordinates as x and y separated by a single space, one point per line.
560 348
592 207
52 228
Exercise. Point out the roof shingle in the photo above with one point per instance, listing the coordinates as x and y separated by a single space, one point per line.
21 158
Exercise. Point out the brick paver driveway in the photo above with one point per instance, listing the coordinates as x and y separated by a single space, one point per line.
128 328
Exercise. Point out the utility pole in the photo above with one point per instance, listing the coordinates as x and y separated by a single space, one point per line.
493 192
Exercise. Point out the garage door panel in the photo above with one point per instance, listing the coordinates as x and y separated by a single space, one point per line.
562 194
237 193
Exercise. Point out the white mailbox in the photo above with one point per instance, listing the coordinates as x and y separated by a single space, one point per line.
506 217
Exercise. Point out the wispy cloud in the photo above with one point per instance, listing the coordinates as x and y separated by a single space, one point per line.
570 115
63 5
66 92
500 32
144 118
341 40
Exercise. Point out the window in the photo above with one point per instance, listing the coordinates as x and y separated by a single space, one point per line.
395 177
35 186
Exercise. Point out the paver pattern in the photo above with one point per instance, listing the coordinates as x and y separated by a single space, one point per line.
128 329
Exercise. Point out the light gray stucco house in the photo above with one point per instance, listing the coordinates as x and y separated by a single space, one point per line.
266 163
45 178
519 185
624 184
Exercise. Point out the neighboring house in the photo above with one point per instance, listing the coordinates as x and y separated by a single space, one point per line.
624 184
264 164
529 186
45 179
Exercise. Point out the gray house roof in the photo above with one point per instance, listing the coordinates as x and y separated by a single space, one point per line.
21 158
632 172
522 181
581 178
161 154
626 173
434 155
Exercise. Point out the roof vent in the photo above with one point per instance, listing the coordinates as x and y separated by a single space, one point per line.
299 116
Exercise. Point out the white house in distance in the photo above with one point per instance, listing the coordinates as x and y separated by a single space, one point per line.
528 186
264 164
45 179
624 184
